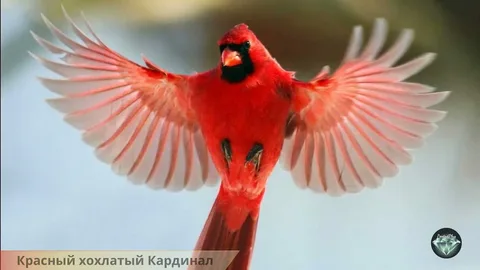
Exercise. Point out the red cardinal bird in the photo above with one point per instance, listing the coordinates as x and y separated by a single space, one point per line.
337 133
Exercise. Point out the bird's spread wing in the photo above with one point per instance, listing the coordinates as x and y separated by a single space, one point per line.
354 128
137 118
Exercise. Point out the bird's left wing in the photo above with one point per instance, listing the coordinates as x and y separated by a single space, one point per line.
354 128
138 118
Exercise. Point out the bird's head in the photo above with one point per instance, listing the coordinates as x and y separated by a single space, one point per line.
241 52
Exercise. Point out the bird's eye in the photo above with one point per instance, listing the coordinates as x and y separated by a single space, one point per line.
247 44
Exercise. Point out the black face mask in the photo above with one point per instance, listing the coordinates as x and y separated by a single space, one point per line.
238 73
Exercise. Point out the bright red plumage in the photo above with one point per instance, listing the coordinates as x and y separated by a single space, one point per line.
337 133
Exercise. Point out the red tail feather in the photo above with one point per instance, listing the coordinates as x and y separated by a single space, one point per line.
219 234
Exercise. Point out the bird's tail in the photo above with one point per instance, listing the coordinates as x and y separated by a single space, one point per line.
231 225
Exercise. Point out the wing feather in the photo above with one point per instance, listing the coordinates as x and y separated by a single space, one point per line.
355 127
137 118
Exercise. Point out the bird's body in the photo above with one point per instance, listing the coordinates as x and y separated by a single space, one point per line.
251 114
336 133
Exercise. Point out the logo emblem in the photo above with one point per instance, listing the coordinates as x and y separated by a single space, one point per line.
446 243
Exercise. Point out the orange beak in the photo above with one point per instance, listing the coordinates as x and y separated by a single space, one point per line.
230 58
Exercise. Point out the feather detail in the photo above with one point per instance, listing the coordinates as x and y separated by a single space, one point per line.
136 117
358 124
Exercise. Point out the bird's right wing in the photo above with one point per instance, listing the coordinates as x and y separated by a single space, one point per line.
137 118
